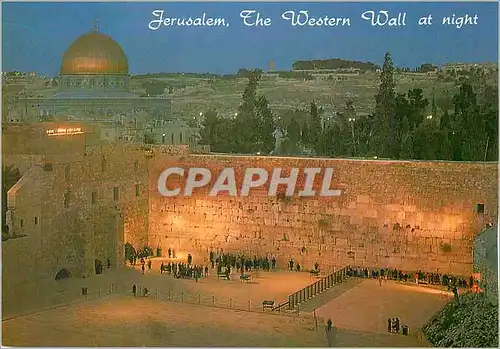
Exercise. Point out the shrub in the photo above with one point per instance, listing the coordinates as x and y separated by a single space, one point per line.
470 321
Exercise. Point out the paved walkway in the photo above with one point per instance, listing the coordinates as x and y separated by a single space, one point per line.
264 286
360 313
125 321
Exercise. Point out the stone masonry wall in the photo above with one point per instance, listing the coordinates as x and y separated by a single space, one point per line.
78 217
399 214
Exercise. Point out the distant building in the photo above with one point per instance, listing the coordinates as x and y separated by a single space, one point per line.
451 67
93 86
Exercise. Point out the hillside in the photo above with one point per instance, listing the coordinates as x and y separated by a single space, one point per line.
192 95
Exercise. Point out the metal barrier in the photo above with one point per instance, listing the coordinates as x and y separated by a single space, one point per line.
316 288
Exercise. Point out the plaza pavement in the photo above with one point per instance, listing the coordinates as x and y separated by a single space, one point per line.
359 309
360 313
120 320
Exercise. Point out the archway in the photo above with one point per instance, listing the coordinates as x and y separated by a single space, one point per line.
63 274
98 266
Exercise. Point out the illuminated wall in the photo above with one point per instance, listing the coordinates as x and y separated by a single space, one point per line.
397 214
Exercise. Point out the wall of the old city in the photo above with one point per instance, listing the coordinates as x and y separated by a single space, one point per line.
399 214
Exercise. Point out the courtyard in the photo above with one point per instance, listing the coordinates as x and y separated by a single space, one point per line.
111 316
120 320
360 313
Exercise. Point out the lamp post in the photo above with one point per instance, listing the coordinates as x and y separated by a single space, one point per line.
163 138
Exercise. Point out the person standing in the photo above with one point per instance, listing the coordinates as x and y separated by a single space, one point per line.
143 269
329 325
134 290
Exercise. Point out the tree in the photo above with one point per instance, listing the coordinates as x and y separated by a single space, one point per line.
348 116
315 128
216 132
426 142
154 88
404 147
293 131
489 109
384 114
266 126
471 137
434 106
305 134
418 105
445 135
247 126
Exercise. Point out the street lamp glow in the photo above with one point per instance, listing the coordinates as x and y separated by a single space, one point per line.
201 114
429 117
352 119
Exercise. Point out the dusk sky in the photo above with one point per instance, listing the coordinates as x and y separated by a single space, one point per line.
35 35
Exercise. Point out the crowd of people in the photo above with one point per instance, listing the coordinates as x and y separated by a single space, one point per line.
242 263
225 262
418 277
184 270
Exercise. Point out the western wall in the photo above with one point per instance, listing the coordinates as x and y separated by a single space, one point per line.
78 203
408 215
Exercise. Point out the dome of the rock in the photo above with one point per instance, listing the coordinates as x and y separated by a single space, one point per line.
94 54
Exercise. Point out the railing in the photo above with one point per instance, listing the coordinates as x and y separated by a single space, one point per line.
278 307
211 301
316 288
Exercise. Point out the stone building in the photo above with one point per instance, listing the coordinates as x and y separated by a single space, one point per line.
486 262
94 83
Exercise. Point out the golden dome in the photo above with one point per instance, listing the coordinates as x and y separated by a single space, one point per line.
94 54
